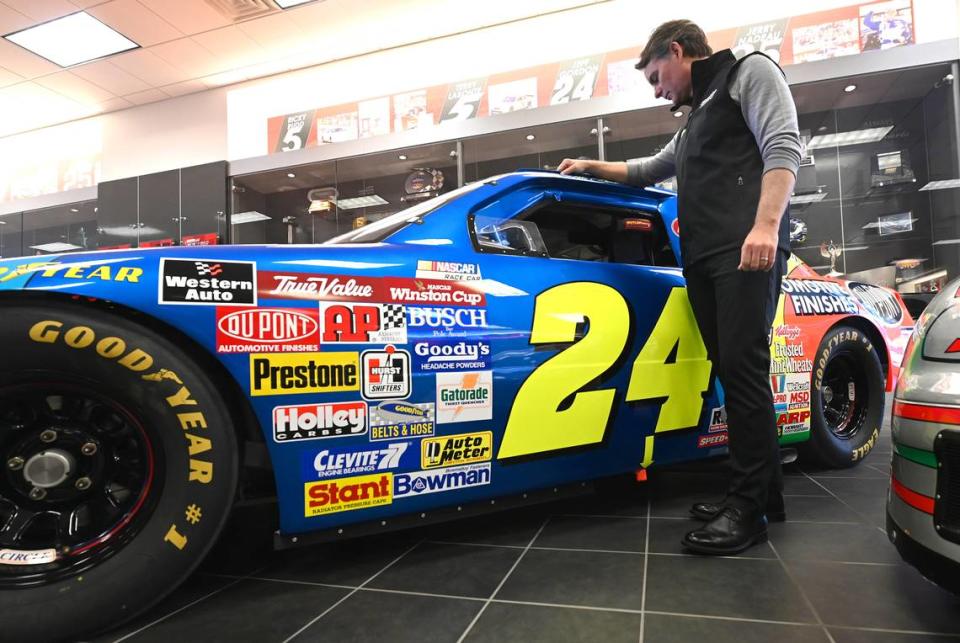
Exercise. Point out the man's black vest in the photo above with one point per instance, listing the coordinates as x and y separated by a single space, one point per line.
719 167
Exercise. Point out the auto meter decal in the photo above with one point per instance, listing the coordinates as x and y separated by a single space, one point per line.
200 282
879 301
264 330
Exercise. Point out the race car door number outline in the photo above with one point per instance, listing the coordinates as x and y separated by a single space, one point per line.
538 426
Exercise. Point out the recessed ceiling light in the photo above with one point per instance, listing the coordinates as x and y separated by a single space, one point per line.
74 210
291 175
531 137
402 157
286 4
677 114
850 88
72 39
56 246
853 137
369 201
248 217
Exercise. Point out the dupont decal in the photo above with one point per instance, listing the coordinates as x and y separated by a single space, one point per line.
448 270
464 397
451 450
202 282
27 556
336 463
420 483
276 374
347 494
810 297
396 290
315 421
355 323
451 355
446 321
879 301
393 420
386 373
264 330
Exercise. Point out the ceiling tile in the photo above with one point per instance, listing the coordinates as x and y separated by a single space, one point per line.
11 20
186 87
232 45
143 64
189 16
136 22
7 77
76 88
114 104
110 77
149 96
28 106
276 33
42 10
187 55
22 62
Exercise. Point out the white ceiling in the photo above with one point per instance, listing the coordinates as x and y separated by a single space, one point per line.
193 45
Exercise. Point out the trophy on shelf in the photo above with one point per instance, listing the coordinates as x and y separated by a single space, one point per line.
832 252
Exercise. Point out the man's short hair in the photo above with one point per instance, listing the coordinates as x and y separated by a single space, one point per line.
684 32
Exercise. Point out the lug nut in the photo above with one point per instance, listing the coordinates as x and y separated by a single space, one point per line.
48 436
38 494
82 483
15 463
89 448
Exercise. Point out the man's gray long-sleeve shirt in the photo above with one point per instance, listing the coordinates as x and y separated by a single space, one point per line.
767 106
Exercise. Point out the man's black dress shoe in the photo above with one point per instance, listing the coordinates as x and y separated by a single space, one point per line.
730 532
709 510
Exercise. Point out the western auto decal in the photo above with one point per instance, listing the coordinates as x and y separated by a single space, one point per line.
262 330
316 421
202 282
398 290
356 323
385 373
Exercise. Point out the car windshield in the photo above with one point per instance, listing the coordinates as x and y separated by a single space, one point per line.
382 229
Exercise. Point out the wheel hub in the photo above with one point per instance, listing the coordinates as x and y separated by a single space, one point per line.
49 469
827 394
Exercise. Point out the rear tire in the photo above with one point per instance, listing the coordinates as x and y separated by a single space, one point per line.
89 394
846 399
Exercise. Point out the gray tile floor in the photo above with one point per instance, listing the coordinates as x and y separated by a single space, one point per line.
607 567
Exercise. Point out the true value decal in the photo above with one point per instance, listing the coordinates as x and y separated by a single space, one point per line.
200 282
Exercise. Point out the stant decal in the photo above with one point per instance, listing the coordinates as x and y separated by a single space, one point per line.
355 323
286 374
386 373
201 282
451 355
464 397
419 483
347 494
315 421
282 330
335 463
452 450
448 270
392 420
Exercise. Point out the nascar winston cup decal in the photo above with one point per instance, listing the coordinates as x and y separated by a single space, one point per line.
385 373
203 282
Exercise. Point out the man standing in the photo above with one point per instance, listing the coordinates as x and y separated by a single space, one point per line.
735 162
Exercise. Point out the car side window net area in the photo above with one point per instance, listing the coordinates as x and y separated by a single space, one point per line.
577 231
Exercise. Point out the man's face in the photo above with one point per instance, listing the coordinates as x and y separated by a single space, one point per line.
670 76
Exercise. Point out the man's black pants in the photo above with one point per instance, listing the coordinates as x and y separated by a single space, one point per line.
734 310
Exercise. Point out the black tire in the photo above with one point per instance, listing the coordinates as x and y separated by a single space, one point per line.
844 428
151 510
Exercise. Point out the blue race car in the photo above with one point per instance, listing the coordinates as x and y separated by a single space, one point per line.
486 347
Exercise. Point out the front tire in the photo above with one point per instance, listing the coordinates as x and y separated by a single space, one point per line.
119 469
846 400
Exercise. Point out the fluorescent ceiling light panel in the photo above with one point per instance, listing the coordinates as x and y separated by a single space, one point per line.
286 4
853 137
941 185
248 217
56 247
362 202
72 39
800 199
